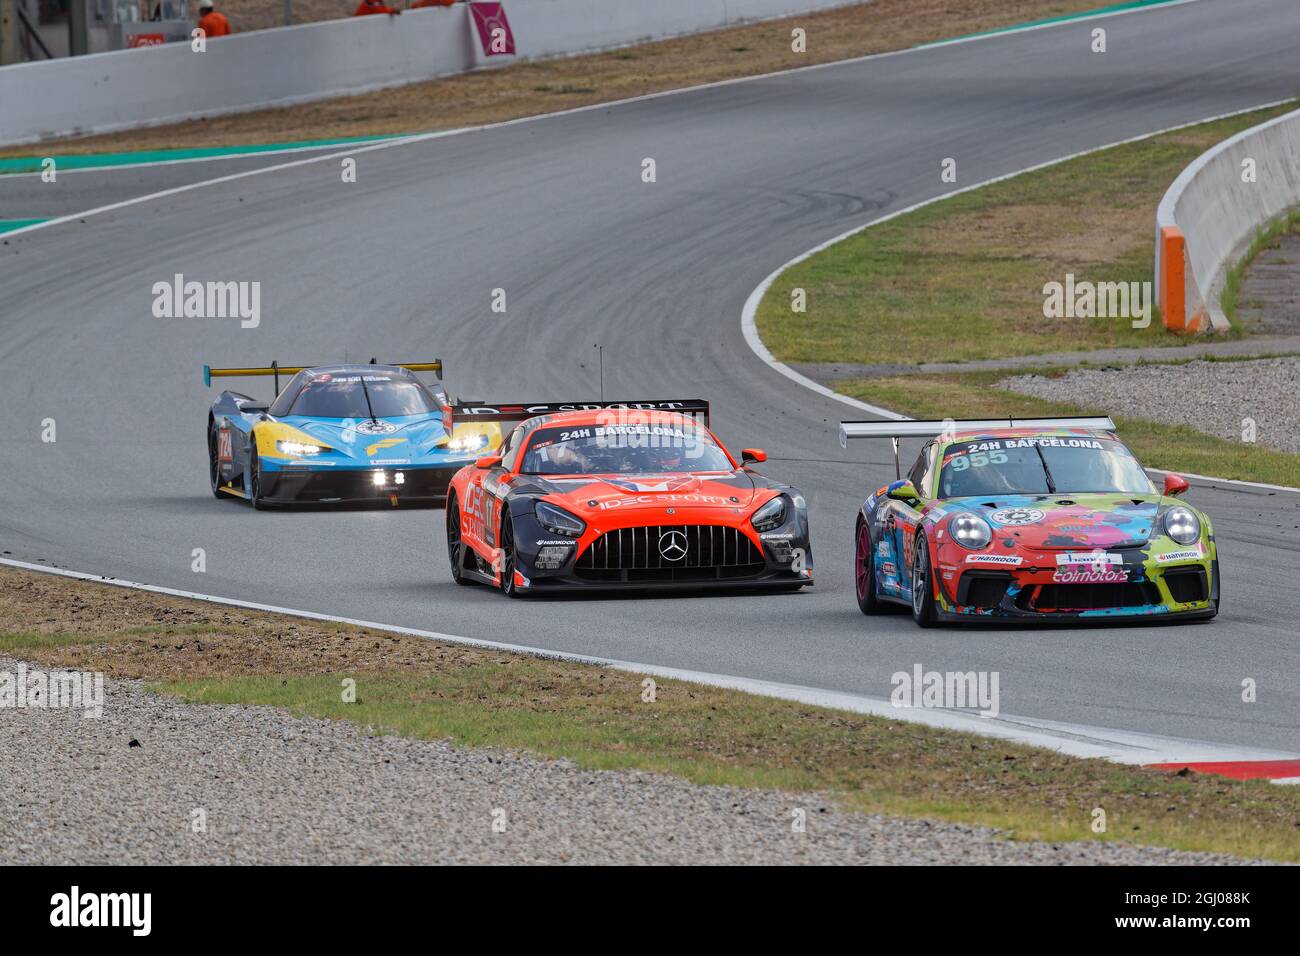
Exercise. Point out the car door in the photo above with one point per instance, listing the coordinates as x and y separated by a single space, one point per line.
895 524
485 494
907 515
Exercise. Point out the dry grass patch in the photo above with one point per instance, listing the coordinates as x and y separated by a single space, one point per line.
530 88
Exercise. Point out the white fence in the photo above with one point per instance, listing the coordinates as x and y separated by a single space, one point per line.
130 88
1220 201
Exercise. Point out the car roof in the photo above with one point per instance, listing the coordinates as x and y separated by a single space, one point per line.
1003 433
615 416
359 368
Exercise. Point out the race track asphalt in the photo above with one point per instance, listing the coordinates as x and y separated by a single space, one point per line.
401 265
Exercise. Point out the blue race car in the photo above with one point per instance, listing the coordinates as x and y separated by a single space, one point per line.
340 433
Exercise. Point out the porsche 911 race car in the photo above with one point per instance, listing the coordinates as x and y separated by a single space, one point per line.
340 433
1030 520
631 495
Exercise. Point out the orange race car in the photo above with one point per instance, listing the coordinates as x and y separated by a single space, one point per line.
586 496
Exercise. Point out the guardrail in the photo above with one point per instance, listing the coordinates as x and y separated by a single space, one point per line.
1212 212
130 88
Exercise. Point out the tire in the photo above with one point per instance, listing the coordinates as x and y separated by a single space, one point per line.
214 469
254 489
508 558
864 568
922 597
455 547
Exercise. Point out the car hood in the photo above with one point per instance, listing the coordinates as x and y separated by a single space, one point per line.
390 440
603 494
1066 521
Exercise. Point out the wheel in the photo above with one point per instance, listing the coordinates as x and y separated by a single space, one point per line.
214 467
255 480
455 548
508 558
922 584
864 566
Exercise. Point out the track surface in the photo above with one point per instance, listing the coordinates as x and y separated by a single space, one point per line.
401 265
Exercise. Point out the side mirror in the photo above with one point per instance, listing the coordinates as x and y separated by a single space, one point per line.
487 461
1175 485
752 454
903 491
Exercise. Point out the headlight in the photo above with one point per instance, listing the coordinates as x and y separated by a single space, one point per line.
970 531
559 522
1181 525
297 448
468 443
771 516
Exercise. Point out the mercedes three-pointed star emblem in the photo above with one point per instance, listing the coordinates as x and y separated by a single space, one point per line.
672 545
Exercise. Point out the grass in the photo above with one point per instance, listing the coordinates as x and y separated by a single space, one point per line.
597 719
532 87
962 279
1266 238
1168 447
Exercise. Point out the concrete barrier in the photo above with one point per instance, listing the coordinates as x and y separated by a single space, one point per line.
131 88
1213 211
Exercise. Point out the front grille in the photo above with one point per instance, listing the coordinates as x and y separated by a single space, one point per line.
711 552
1187 585
1087 597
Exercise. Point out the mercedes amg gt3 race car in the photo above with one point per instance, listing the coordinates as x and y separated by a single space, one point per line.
340 433
632 495
1030 520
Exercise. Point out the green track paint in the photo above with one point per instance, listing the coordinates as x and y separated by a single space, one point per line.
8 225
32 164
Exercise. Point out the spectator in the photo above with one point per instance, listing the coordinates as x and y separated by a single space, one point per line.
212 24
367 7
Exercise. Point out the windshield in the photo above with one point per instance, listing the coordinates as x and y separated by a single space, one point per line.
1045 465
623 449
342 396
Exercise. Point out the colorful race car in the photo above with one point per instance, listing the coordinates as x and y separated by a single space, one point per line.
620 495
1030 520
339 433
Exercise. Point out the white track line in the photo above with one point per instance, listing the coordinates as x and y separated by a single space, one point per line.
422 137
748 314
1075 740
1210 479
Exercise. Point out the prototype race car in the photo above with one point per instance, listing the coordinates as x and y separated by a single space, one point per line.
632 495
1029 520
340 433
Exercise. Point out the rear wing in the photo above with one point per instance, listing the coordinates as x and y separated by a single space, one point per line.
276 369
696 408
909 428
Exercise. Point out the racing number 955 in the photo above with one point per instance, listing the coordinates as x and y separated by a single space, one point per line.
978 460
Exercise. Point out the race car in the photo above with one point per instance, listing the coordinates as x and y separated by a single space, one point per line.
1049 519
620 495
340 433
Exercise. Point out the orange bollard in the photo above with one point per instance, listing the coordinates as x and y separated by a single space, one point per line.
1173 292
